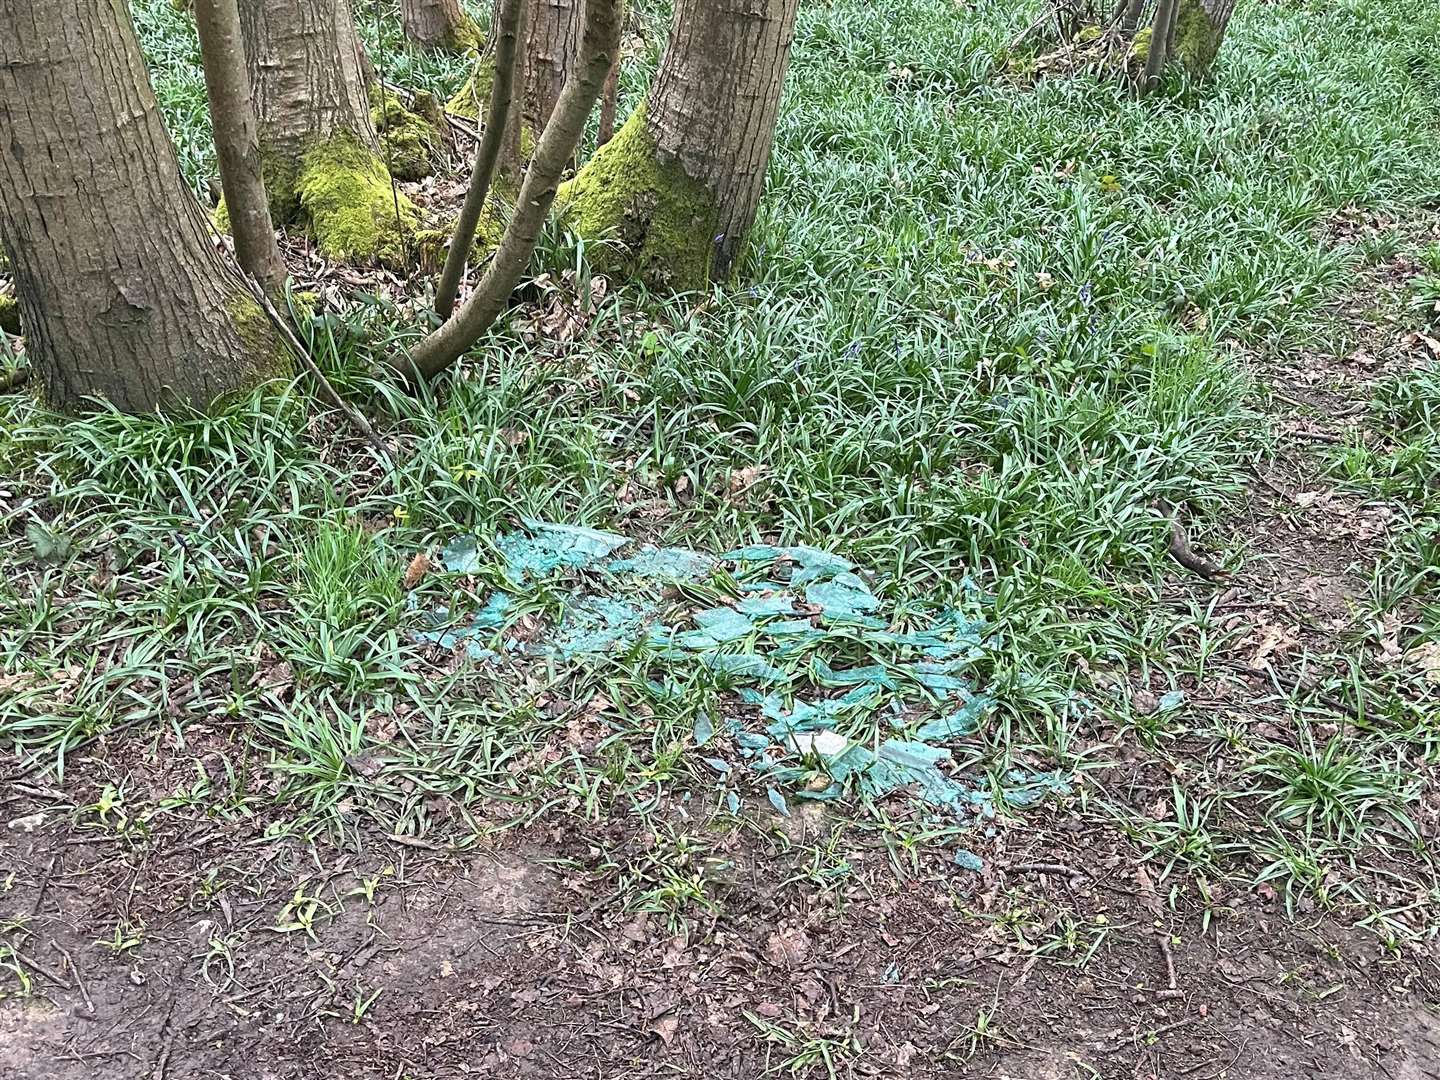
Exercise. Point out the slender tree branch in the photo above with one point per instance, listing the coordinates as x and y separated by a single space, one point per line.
237 145
556 148
1159 54
327 389
607 105
487 155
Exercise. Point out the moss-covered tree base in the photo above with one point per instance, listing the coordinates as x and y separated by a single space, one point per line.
465 37
431 244
1110 51
268 355
649 218
1196 39
343 197
469 101
411 140
350 205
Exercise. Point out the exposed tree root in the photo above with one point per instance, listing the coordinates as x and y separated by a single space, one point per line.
1183 553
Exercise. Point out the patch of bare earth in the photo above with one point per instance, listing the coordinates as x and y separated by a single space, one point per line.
262 958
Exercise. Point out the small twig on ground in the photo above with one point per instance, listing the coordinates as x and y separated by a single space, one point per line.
1293 684
1320 436
1182 552
1162 938
1046 868
79 979
39 968
44 886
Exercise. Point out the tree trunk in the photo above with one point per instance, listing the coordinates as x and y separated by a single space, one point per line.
123 293
552 46
608 99
237 143
1198 29
319 152
679 185
438 24
1130 13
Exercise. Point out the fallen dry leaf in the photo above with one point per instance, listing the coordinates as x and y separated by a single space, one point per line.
787 949
665 1027
1390 651
1275 640
742 480
419 566
1426 659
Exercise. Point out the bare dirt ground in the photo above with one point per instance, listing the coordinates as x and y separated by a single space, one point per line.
198 946
503 964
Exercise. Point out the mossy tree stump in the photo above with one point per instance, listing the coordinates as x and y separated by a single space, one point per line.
675 192
322 159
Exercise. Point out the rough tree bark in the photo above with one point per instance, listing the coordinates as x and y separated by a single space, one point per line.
552 50
123 292
237 144
549 49
678 187
320 155
438 24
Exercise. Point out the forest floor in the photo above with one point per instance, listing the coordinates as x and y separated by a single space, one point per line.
263 812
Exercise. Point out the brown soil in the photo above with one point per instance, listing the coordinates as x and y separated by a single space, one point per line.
509 964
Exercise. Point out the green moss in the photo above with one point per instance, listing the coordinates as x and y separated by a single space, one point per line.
409 140
465 37
305 303
425 105
9 314
1088 34
471 98
280 174
347 197
1196 41
660 222
431 243
267 353
1140 46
